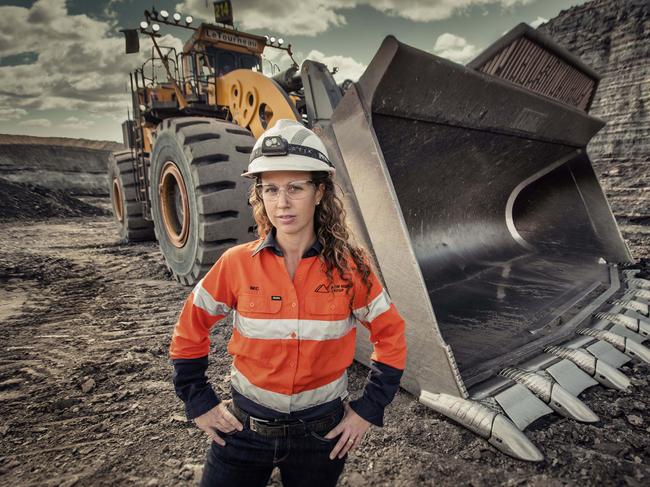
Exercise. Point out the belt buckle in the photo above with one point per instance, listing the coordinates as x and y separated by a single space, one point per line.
256 422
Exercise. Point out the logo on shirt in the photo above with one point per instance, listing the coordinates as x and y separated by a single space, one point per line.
332 288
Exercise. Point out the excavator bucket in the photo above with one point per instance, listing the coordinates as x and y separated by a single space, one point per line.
473 190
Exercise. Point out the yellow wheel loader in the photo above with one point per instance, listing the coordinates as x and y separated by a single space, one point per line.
470 185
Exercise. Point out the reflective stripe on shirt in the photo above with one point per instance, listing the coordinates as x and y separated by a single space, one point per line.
377 306
292 328
203 300
286 403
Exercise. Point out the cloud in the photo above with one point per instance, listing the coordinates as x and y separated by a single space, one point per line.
109 9
36 122
7 114
537 22
454 48
312 17
431 10
294 17
77 124
348 68
81 66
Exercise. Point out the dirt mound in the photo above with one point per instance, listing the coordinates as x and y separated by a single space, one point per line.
106 145
29 201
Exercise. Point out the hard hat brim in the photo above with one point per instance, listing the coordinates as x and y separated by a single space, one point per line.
291 162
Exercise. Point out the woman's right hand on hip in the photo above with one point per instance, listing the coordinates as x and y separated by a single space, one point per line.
218 419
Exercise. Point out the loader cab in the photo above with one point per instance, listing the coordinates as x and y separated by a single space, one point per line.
216 51
213 61
226 61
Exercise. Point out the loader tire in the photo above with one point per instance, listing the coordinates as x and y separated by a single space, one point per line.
199 200
127 210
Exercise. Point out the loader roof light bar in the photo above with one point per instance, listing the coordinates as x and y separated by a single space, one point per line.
271 41
164 17
275 145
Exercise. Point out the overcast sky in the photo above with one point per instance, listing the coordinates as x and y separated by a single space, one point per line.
63 71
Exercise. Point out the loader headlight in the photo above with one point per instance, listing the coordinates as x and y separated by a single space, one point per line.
274 145
155 27
164 14
280 41
272 39
177 17
189 19
142 108
144 24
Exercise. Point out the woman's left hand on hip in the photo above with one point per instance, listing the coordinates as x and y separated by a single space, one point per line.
352 429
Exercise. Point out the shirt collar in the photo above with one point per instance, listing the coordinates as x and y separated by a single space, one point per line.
271 243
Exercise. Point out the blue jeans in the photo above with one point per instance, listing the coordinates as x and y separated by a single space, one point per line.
249 458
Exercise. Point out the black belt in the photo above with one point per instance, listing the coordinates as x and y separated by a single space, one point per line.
279 428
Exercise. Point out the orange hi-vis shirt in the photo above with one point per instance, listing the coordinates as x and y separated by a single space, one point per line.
293 340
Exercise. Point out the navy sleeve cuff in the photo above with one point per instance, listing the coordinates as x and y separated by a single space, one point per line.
192 386
382 385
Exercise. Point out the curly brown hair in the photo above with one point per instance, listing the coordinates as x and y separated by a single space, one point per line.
331 230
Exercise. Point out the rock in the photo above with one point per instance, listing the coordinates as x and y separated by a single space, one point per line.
635 420
177 418
191 471
355 479
70 482
173 463
64 403
88 386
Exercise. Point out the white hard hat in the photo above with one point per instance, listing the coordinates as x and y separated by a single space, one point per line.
288 146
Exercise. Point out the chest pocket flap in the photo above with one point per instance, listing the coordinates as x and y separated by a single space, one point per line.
248 304
334 307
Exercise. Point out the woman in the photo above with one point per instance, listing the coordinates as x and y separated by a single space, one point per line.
296 294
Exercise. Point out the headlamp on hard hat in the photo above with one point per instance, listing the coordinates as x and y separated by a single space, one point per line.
275 145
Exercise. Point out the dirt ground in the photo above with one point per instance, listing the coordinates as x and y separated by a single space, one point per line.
87 399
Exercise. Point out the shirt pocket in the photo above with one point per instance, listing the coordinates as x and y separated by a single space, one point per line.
257 305
328 308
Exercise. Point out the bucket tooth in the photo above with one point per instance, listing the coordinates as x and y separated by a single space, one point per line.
498 430
638 283
559 399
629 301
629 347
636 325
641 293
598 369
